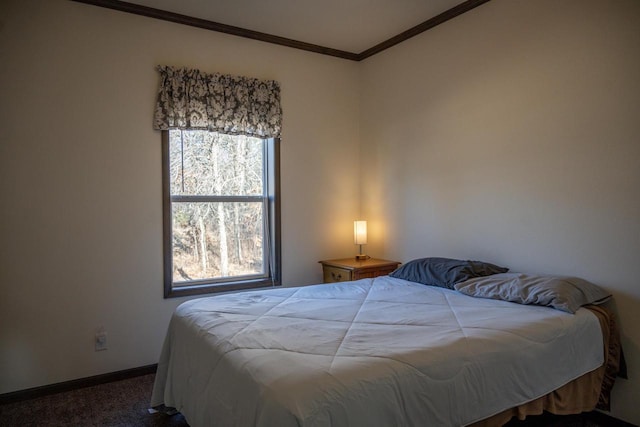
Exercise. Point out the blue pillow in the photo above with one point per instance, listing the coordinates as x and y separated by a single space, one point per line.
444 272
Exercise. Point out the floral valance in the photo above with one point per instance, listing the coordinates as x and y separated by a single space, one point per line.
235 105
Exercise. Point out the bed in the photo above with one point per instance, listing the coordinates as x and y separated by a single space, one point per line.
380 352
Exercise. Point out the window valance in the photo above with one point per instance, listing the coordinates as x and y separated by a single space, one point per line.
235 105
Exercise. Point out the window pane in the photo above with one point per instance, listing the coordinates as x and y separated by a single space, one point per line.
207 163
217 240
216 191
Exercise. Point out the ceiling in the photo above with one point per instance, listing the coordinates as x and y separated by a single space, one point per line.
347 25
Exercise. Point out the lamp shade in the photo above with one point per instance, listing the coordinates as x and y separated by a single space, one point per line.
360 232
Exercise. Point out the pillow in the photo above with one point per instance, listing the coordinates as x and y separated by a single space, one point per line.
562 293
444 272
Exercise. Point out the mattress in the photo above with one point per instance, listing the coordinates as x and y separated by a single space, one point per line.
374 352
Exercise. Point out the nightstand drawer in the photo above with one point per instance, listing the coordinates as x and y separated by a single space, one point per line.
335 274
370 273
345 269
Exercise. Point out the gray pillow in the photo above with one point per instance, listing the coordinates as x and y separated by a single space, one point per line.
562 293
444 272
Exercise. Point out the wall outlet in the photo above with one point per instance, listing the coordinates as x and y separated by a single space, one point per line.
101 340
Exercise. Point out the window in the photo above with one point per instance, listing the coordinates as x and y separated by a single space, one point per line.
220 154
221 219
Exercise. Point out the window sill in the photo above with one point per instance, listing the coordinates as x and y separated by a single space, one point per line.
220 287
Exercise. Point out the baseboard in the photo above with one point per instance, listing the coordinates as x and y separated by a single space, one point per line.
31 393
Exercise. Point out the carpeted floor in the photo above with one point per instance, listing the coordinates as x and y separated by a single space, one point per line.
126 403
120 403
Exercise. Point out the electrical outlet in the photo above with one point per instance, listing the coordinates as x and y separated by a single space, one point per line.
101 340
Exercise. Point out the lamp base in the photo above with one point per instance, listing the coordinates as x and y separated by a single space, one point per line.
362 257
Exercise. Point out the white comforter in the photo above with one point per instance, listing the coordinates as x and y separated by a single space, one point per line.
375 352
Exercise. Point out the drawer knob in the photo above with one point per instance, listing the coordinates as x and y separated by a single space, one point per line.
336 276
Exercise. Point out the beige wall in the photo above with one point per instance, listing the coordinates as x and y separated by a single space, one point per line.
511 134
80 178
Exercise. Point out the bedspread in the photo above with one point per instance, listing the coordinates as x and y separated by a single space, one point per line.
375 352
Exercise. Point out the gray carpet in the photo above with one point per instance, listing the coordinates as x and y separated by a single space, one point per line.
126 403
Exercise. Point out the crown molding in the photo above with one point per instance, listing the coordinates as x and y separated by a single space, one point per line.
421 28
163 15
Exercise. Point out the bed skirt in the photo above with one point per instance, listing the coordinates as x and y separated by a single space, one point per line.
586 393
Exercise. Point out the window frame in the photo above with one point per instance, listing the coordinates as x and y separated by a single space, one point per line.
271 211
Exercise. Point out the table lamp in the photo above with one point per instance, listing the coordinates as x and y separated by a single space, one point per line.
360 237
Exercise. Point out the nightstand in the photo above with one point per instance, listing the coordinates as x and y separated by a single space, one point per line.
345 269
